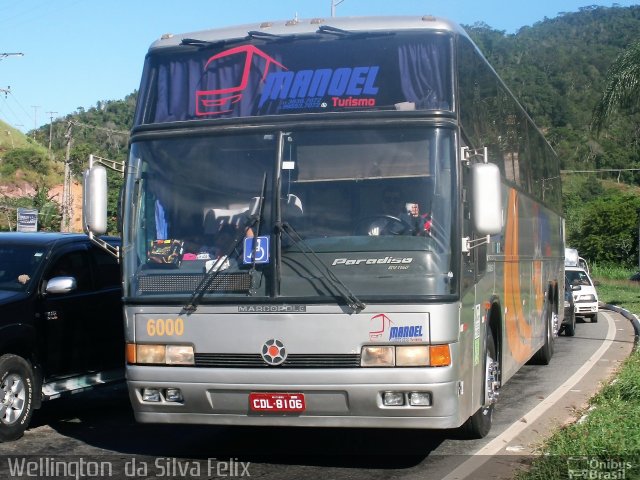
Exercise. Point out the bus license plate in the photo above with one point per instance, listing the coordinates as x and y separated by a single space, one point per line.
276 402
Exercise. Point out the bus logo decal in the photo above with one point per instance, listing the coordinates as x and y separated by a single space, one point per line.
221 100
383 323
273 352
347 87
403 329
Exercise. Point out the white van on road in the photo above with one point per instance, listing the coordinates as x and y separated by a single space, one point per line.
585 296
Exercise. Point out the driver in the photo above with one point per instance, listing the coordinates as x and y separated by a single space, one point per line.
416 223
420 224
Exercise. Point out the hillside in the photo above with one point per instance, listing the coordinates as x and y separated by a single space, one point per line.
11 138
557 69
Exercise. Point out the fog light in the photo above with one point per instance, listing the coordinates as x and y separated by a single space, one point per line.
173 395
393 399
420 399
150 395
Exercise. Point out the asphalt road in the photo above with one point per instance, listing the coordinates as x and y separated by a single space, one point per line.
98 428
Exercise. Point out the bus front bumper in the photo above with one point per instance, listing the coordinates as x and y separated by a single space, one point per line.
332 398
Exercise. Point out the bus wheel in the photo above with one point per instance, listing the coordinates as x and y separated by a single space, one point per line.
478 425
543 356
16 396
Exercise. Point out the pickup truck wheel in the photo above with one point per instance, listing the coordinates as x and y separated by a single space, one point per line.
16 396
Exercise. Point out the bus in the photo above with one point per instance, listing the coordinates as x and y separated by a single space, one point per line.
333 223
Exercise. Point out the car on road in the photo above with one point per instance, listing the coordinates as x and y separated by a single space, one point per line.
585 296
61 321
568 325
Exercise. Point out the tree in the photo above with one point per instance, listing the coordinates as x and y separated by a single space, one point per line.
622 86
609 231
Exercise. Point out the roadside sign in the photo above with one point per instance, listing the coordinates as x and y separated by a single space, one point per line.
27 220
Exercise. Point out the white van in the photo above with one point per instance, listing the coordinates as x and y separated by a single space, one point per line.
572 259
585 296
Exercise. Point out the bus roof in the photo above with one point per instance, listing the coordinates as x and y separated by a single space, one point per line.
309 26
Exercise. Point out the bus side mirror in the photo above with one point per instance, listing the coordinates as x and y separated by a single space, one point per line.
94 203
486 198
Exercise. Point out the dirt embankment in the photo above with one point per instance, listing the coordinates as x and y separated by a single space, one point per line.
24 189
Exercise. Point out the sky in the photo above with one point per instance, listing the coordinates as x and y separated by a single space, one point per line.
79 52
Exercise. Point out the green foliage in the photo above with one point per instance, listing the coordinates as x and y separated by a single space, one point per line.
607 432
557 69
609 230
601 223
622 88
27 159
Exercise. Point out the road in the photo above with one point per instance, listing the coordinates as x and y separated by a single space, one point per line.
99 427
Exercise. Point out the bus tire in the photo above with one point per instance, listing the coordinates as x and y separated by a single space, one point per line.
479 424
543 356
16 396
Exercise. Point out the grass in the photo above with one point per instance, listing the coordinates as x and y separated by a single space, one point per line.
615 288
605 442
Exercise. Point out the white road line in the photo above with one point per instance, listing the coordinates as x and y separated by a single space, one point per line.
494 446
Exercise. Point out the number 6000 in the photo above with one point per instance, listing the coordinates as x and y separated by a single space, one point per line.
168 327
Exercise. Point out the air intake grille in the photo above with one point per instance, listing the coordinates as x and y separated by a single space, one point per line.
216 360
187 283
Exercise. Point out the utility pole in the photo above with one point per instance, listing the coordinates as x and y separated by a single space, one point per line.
35 119
66 187
50 129
334 4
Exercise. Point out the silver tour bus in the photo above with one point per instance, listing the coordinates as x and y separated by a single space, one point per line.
340 223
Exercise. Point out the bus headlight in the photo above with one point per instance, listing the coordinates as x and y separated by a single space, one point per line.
160 354
150 354
405 356
378 356
180 355
412 356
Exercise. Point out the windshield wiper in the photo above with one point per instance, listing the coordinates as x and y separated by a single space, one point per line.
209 277
347 295
253 34
339 32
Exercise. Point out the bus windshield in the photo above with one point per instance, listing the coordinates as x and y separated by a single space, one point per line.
372 206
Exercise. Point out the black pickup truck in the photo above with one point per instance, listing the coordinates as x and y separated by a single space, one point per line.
61 321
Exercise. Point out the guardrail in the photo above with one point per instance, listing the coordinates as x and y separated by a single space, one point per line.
629 316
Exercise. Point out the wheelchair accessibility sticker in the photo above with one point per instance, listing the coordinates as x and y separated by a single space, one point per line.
261 250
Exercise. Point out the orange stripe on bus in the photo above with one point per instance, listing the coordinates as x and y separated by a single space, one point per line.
517 329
